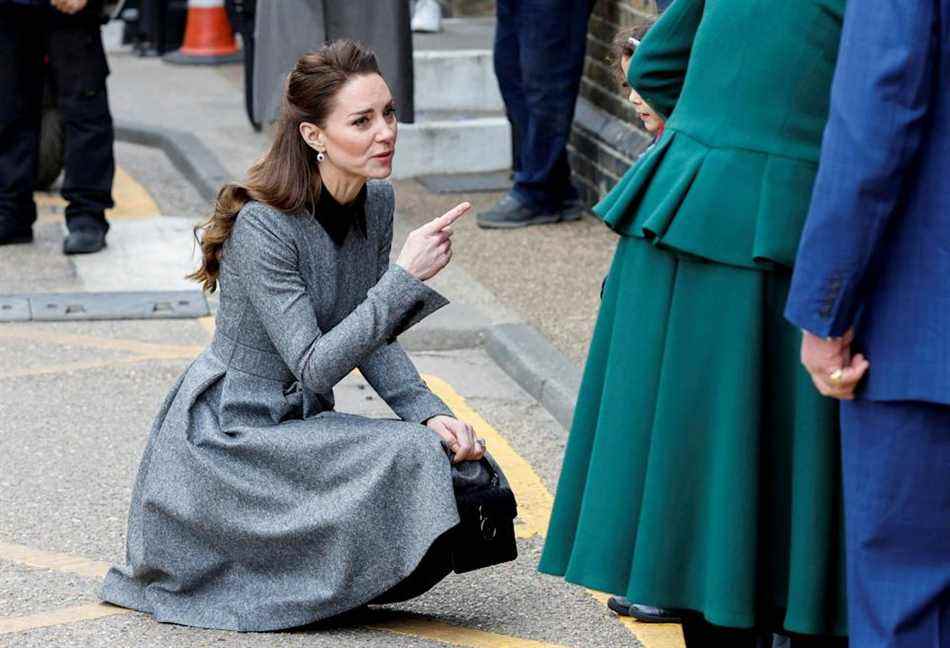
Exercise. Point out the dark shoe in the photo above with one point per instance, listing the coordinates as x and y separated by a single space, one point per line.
643 613
572 210
84 241
11 233
510 212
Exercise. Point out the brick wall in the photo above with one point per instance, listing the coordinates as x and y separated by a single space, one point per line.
606 136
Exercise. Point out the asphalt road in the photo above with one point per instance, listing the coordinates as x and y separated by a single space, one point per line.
76 401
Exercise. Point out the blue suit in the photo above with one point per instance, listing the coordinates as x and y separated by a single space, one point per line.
875 255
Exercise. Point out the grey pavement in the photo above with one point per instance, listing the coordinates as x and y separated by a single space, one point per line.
71 437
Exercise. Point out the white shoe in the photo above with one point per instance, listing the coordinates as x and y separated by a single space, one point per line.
427 16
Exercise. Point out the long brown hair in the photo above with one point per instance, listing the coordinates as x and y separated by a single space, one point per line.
622 47
286 178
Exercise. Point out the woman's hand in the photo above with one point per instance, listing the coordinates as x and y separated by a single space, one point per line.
429 249
459 437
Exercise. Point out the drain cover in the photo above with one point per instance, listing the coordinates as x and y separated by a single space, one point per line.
64 307
14 309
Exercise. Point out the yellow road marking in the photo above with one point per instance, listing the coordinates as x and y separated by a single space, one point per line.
132 201
535 503
51 560
454 635
62 616
651 635
67 367
534 500
44 334
207 323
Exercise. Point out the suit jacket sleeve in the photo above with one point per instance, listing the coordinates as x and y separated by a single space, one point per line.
659 64
263 247
388 369
879 106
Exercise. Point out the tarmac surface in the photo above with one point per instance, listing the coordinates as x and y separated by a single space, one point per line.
77 399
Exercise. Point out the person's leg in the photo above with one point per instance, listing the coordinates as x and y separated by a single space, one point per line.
79 67
552 38
807 641
700 633
22 43
507 64
896 458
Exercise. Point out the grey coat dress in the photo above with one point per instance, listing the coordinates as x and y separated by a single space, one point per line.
257 506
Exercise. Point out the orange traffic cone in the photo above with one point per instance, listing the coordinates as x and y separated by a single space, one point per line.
209 39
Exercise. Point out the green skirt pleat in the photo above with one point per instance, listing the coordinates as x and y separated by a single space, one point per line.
702 469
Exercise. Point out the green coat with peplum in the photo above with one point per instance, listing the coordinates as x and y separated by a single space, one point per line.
702 468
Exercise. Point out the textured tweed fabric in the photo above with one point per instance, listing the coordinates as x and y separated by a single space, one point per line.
256 506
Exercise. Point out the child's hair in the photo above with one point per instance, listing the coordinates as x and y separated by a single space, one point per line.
625 44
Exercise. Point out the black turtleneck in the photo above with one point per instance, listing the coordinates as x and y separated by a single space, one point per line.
338 219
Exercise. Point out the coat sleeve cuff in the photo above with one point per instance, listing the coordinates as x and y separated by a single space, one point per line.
819 318
412 298
423 407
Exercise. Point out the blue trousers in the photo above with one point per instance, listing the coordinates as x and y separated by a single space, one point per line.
539 59
896 473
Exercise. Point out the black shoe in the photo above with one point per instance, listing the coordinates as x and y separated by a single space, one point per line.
84 241
11 234
572 210
643 613
510 212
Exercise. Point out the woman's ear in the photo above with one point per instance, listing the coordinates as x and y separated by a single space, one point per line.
312 136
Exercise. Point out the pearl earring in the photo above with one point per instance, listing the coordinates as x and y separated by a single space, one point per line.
321 156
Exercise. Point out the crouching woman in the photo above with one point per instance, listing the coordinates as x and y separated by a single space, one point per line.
257 506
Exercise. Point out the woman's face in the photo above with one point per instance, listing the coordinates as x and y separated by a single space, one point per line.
359 137
652 121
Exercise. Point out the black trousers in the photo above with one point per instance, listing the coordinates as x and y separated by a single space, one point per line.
36 42
699 633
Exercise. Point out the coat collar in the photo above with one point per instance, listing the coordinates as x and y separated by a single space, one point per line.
336 219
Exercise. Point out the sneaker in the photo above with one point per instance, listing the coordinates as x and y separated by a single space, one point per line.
510 212
427 16
84 241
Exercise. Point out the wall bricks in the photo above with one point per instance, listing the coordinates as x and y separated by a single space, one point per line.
607 133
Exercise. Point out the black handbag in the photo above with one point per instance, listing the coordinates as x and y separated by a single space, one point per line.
485 535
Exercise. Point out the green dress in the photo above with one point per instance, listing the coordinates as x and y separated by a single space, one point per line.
702 468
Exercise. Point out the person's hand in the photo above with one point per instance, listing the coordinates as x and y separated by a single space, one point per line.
428 249
834 371
69 6
459 437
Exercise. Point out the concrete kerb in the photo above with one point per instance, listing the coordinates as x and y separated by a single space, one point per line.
187 153
539 368
517 348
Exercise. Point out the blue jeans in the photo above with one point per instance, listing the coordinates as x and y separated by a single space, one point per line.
539 59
